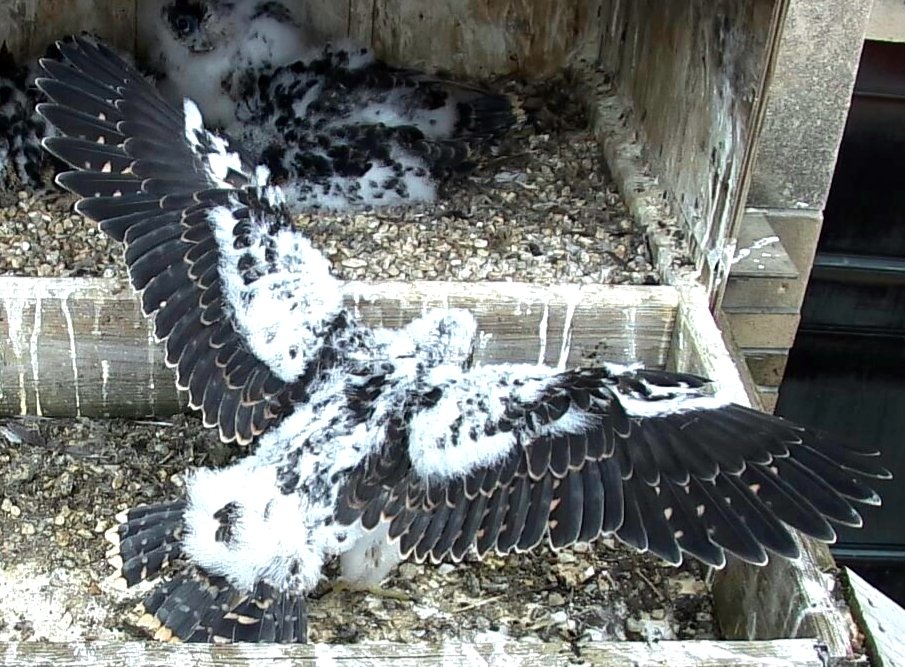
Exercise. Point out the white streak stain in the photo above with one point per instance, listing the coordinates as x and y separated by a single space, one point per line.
542 333
356 305
757 245
471 655
325 655
70 330
484 338
631 324
566 348
152 389
23 396
33 354
95 325
105 379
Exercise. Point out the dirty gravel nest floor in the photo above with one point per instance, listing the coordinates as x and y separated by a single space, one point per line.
63 481
542 209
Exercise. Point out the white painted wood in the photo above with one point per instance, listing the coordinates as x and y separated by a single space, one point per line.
80 346
785 599
781 653
477 38
692 74
881 620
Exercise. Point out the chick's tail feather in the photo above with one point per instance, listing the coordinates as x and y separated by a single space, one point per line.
193 605
145 541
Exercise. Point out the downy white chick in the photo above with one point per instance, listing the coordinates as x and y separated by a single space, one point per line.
337 128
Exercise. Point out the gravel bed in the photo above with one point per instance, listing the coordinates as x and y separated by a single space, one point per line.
63 481
540 208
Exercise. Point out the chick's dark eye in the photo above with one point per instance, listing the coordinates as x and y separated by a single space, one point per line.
186 25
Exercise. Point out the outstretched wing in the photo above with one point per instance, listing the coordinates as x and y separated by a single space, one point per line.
245 304
501 457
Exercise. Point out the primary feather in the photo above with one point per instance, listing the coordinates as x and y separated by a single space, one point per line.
375 437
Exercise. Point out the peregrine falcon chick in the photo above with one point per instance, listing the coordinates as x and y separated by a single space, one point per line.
337 128
366 435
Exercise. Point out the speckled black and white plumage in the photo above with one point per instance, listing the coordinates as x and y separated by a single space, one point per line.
387 438
211 50
337 128
23 163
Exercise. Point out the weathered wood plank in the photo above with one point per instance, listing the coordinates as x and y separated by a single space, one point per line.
785 599
478 38
330 19
644 195
694 71
80 346
698 345
29 26
881 620
783 653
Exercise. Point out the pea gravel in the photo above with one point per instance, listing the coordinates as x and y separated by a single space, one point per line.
64 480
540 208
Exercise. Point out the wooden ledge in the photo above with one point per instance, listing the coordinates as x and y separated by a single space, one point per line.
780 653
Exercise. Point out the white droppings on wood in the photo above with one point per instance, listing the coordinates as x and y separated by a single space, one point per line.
506 653
631 324
325 655
573 297
33 356
70 330
152 388
109 325
881 619
105 379
23 396
484 338
499 656
542 333
356 305
815 593
11 655
96 322
471 654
